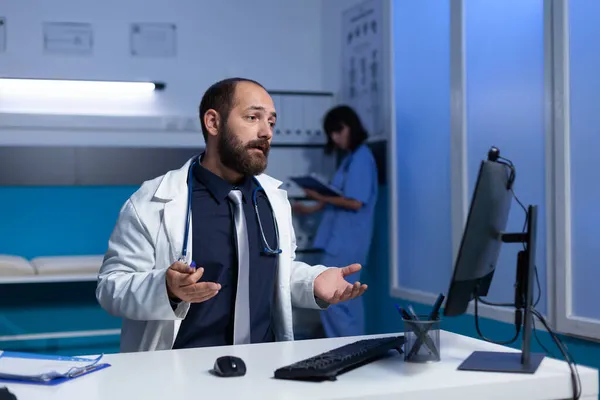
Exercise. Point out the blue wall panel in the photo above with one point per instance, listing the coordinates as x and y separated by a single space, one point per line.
49 221
585 141
422 101
505 108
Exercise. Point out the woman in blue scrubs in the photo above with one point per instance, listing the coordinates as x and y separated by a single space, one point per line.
346 226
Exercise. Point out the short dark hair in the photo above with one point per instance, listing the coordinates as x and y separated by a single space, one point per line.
334 121
220 97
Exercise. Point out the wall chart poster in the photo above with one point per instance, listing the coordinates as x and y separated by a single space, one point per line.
362 63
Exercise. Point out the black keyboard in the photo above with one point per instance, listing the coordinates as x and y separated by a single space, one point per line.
328 365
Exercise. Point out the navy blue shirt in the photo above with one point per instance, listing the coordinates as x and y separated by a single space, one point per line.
210 323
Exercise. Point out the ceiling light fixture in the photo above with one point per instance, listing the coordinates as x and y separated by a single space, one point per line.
22 86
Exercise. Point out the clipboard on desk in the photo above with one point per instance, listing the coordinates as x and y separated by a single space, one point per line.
45 369
316 184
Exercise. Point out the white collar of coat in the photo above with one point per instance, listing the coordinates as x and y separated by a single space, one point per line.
174 183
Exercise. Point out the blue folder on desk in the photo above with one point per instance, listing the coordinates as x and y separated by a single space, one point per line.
44 369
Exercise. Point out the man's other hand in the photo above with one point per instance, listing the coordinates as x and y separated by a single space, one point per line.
182 284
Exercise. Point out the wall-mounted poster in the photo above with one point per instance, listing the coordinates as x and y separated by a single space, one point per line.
153 40
362 64
68 38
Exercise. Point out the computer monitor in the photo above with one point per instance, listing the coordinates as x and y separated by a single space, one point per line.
478 255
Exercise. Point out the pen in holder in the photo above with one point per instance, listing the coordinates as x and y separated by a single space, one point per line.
421 339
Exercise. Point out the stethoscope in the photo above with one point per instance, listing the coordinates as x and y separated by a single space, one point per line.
266 248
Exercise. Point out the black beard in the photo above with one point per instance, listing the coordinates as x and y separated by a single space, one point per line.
237 156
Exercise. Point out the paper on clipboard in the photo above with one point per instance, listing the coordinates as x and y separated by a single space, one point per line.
31 367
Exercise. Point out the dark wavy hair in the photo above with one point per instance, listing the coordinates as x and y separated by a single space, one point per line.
334 121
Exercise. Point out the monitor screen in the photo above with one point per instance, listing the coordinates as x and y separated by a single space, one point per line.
482 237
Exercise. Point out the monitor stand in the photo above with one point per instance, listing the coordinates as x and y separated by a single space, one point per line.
524 361
491 361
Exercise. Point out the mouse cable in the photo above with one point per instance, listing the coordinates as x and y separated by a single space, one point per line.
539 341
575 378
518 323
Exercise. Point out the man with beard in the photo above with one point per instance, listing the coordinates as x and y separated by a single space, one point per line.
205 255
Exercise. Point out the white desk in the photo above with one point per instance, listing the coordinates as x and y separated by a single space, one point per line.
183 374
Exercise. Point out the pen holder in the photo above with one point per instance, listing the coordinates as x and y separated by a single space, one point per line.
421 340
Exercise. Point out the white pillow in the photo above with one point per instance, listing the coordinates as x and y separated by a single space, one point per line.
15 266
67 265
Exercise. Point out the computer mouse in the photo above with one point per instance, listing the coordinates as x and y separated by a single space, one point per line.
5 394
228 366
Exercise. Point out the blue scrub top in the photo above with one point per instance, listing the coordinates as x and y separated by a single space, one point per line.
345 235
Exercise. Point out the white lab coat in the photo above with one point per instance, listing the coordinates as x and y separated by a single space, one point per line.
148 238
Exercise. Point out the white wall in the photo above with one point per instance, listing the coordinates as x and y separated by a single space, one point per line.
277 43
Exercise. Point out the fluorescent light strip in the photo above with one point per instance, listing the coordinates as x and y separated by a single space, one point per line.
50 87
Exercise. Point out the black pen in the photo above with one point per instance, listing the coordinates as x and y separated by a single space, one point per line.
404 314
413 313
436 307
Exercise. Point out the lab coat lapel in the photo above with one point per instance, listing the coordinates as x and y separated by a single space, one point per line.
279 203
174 223
174 191
282 212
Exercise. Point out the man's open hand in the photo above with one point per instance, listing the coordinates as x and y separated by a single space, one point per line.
182 284
331 287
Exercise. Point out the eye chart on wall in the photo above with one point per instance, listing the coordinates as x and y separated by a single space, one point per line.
362 63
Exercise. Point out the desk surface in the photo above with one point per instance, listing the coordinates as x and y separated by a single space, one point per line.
184 374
